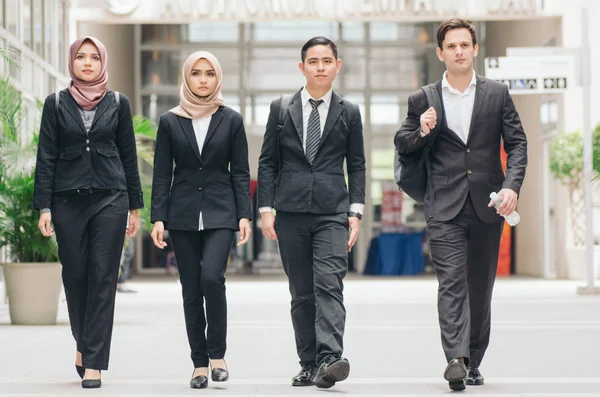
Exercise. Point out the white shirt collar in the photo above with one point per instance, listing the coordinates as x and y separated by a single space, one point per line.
446 84
306 96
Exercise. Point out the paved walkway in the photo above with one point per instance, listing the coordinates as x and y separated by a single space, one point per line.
545 342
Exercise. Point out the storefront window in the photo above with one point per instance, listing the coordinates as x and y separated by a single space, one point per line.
213 32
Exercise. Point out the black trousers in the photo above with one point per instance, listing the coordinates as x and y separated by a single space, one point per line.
314 252
202 261
465 257
90 231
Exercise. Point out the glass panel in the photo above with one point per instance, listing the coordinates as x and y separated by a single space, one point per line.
160 68
383 31
12 16
294 30
155 105
352 73
212 32
2 14
162 34
385 109
261 109
274 69
394 67
26 21
49 11
62 37
38 27
353 31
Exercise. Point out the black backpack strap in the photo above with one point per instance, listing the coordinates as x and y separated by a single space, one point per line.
433 100
283 107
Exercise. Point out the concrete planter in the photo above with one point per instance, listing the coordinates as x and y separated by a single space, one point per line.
576 263
33 290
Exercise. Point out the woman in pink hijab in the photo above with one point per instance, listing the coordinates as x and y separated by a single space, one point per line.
87 187
202 203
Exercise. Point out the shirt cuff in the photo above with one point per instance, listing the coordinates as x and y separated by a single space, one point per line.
356 207
265 209
421 133
44 210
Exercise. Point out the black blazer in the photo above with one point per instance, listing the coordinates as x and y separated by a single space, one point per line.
476 168
216 181
68 158
288 182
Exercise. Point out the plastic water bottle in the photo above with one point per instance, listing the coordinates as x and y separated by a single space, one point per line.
513 218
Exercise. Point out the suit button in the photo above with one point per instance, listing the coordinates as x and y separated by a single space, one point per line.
468 150
87 149
200 169
469 172
200 189
87 141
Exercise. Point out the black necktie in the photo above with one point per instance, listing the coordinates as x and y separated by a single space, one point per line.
313 131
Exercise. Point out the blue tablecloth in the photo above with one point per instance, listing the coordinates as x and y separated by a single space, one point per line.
396 253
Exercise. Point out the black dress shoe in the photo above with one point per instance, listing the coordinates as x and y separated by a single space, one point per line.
332 370
199 382
91 383
455 374
474 377
80 370
306 376
219 374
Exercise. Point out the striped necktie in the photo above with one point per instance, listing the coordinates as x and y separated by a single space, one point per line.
313 131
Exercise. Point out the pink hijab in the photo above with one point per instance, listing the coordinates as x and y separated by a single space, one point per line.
88 94
191 106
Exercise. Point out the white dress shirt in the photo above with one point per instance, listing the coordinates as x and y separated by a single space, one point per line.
458 107
323 110
201 129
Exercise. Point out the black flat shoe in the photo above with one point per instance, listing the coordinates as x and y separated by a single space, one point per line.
306 376
199 382
80 370
455 373
474 377
332 370
219 374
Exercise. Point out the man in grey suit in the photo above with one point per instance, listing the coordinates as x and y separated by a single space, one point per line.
463 227
301 175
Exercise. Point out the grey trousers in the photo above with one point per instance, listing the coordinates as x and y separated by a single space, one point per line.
464 251
314 252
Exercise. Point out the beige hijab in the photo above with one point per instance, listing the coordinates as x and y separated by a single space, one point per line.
191 106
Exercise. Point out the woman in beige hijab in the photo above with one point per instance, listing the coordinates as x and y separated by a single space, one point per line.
202 202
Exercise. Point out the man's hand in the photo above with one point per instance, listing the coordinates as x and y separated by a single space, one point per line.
44 224
134 224
158 231
354 229
428 120
267 224
509 202
245 231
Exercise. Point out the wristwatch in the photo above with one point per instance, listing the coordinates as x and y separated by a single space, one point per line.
355 214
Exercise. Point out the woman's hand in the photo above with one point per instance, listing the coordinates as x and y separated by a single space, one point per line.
134 223
158 231
44 224
245 231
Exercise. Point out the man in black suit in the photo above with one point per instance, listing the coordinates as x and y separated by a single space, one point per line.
463 227
301 175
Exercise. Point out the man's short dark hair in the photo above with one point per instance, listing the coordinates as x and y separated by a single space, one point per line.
315 41
451 24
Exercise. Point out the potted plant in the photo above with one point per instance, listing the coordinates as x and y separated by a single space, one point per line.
566 165
32 275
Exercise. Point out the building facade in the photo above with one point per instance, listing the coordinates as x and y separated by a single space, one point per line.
388 50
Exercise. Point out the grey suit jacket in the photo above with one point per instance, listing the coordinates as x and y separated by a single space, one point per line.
458 169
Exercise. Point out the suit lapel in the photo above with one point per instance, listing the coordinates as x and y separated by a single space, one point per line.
101 108
215 120
335 109
445 126
295 110
73 110
188 130
480 93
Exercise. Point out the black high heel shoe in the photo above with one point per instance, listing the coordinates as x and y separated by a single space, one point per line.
80 370
219 374
92 383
